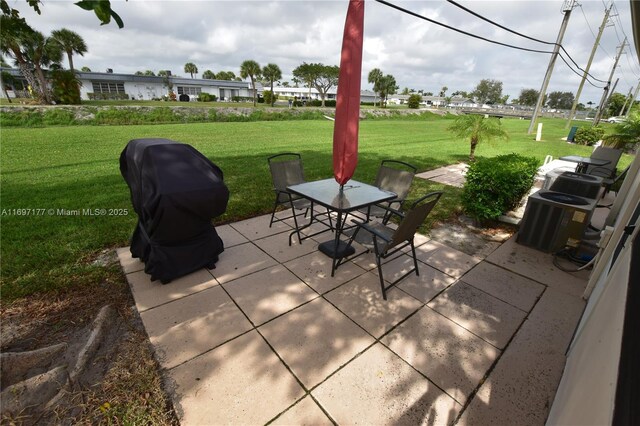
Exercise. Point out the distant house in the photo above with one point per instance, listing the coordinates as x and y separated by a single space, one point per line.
460 102
109 85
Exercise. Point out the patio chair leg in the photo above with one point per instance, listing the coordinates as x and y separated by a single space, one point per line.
273 213
384 290
295 221
415 260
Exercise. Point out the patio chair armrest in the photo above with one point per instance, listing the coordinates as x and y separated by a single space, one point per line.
602 172
375 232
392 210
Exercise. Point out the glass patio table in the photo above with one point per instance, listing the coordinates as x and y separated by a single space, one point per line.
584 162
353 196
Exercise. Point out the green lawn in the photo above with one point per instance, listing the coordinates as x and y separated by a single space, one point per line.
77 168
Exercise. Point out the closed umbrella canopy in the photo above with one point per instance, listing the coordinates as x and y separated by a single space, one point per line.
345 131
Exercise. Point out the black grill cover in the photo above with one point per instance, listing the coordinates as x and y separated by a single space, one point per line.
176 191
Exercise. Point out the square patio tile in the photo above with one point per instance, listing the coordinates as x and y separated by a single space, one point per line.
269 293
277 246
378 388
315 340
315 270
538 266
185 328
482 314
148 294
305 412
128 263
425 286
443 258
361 300
258 227
240 382
230 237
239 261
514 289
450 356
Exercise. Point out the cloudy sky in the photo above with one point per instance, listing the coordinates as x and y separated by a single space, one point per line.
219 35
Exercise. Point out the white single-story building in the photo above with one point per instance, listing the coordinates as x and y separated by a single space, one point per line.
104 85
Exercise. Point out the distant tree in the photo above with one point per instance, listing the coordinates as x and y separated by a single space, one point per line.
488 92
225 75
528 97
295 81
405 91
477 129
428 93
191 68
443 91
85 69
163 73
285 84
414 101
138 73
321 77
209 75
149 73
70 42
461 93
374 76
271 73
504 100
616 101
386 86
560 100
6 79
251 69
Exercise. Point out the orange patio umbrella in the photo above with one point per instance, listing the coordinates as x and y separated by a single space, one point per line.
345 131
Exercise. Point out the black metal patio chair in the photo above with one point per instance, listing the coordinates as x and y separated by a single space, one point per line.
385 241
286 170
395 176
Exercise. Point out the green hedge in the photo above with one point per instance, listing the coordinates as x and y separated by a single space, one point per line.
588 135
496 185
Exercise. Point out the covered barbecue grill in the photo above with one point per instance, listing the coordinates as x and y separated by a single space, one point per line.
176 191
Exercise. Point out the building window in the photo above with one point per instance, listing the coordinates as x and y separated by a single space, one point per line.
102 87
189 90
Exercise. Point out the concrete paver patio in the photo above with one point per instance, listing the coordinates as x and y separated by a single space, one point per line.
270 336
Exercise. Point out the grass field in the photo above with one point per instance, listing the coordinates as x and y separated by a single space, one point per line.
66 169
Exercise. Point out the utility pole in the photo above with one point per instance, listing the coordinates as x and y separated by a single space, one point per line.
633 99
626 100
598 116
586 70
567 8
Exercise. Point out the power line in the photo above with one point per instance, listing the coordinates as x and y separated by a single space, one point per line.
592 33
577 73
401 9
458 30
477 15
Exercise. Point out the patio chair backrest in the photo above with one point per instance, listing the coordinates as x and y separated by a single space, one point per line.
604 153
414 218
395 176
286 169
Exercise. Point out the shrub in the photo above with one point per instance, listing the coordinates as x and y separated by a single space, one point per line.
588 135
58 116
206 97
65 87
330 103
314 103
414 101
269 97
496 185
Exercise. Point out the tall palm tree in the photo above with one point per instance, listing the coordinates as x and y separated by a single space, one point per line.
209 75
251 69
13 34
41 52
477 129
191 68
70 42
6 79
374 77
272 73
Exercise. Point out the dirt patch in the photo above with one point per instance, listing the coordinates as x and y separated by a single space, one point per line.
464 235
120 383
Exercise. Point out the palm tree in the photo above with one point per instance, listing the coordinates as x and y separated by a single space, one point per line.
374 77
6 79
251 69
85 69
191 68
477 129
443 91
272 73
209 75
625 133
14 32
70 42
40 52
